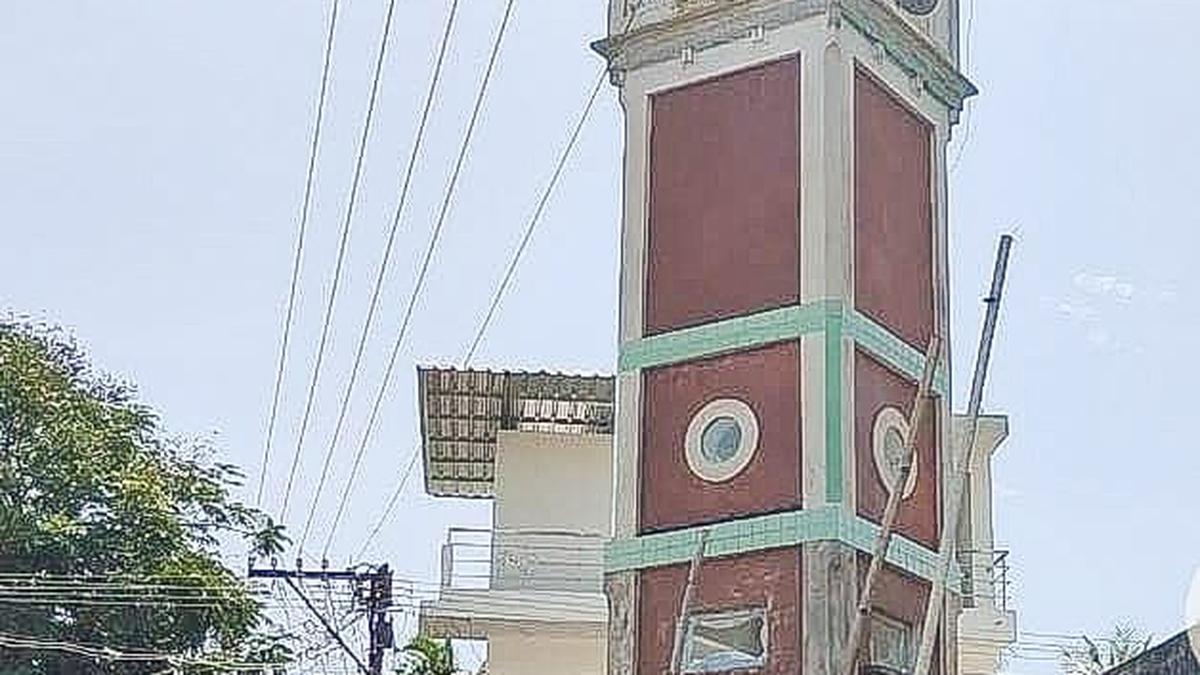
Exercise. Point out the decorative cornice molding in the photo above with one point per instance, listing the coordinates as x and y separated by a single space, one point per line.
713 339
702 24
906 47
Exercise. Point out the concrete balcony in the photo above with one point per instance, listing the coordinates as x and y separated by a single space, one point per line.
499 580
986 623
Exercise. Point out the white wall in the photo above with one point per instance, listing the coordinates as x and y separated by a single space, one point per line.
534 652
554 482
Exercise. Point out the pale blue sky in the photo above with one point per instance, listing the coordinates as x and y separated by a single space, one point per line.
151 165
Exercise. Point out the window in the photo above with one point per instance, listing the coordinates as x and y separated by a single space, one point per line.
721 440
891 644
725 641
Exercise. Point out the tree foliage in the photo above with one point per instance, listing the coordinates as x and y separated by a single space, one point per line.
1099 655
109 528
427 656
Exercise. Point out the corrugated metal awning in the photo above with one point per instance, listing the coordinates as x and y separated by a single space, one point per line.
463 410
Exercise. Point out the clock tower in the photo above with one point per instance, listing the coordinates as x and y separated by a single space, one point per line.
784 266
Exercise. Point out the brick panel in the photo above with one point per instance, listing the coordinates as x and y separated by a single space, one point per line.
768 380
901 596
877 386
893 214
769 579
724 231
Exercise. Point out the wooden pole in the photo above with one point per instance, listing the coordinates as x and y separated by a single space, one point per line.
962 463
858 628
685 606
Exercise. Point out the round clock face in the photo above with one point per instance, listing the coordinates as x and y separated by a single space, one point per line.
919 7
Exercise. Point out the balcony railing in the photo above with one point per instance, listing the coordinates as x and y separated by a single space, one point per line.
530 560
984 578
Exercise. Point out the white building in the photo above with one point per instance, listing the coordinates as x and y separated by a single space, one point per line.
539 447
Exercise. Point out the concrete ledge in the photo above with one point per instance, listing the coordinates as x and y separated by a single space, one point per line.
472 614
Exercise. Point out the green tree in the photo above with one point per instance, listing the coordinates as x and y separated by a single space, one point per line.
1099 655
109 528
427 656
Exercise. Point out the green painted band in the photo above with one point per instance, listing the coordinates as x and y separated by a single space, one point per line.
834 363
715 338
781 530
892 350
777 325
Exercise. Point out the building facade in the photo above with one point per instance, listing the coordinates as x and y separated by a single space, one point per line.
784 268
539 447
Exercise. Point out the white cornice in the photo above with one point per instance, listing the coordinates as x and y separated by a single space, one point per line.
702 24
911 50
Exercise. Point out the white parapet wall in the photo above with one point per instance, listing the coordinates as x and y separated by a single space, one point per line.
523 652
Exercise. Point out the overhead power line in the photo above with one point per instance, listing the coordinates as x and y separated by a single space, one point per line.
447 201
394 499
384 266
305 209
968 109
351 202
535 218
106 653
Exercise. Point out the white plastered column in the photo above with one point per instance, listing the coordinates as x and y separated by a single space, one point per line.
987 627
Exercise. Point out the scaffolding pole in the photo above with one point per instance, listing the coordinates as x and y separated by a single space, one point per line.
685 606
963 459
896 496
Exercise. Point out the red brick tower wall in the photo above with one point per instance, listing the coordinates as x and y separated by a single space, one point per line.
724 235
723 242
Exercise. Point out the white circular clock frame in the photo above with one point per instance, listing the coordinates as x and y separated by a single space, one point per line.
721 410
888 421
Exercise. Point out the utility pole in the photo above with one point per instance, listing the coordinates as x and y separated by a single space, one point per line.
379 599
373 585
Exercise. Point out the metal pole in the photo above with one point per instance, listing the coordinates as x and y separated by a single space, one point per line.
685 606
984 358
962 463
858 628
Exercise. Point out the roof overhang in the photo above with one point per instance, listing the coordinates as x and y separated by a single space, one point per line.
463 411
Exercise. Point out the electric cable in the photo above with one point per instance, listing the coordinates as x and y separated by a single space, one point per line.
422 274
305 209
351 202
110 654
535 218
968 113
393 499
384 265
